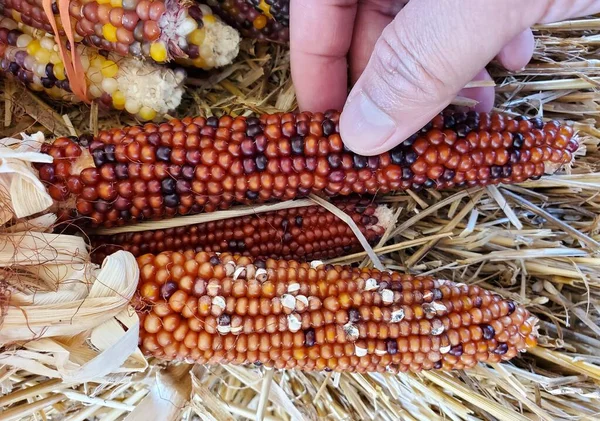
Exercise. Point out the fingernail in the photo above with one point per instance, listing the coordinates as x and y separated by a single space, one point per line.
364 126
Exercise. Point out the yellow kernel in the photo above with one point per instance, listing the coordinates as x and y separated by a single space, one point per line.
97 61
42 56
33 47
209 19
197 36
102 1
265 8
109 68
55 58
16 15
109 32
116 3
59 71
118 100
199 62
147 113
260 22
158 51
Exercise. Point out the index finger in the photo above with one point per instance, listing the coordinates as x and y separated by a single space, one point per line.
320 38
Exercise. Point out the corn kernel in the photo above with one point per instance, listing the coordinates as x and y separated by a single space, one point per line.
158 51
59 71
109 69
42 56
209 19
109 32
199 62
260 22
118 100
16 15
116 3
33 47
102 1
24 40
197 36
55 58
147 113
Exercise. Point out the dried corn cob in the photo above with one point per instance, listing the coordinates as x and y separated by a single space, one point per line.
259 19
220 309
195 165
141 88
304 234
162 30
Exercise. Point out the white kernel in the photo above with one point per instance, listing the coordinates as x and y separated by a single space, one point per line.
437 327
371 284
206 11
316 263
40 70
387 295
238 272
302 299
359 352
351 332
294 323
224 330
24 40
295 287
186 27
219 301
397 316
85 62
445 349
261 275
380 352
47 43
236 330
229 266
288 301
95 91
109 85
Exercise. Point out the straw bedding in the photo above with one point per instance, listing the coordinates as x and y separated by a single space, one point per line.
536 243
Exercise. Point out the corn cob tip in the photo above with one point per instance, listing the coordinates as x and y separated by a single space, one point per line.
226 309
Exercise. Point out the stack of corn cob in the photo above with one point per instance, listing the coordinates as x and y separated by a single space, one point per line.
122 83
237 296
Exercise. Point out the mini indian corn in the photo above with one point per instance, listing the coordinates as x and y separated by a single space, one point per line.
303 234
202 164
258 19
162 30
224 309
143 89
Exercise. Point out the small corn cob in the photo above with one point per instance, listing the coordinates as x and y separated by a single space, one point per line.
264 20
200 165
162 30
141 88
304 234
225 309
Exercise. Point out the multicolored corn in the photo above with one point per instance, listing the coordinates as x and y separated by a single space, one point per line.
161 30
143 89
303 234
201 165
225 309
264 20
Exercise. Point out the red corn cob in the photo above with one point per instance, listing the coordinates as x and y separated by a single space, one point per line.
195 165
227 309
304 234
259 19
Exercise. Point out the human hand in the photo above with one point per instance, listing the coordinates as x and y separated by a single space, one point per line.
408 60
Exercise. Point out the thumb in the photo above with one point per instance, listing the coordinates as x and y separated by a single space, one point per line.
425 57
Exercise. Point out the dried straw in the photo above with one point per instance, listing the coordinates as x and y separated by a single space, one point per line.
536 243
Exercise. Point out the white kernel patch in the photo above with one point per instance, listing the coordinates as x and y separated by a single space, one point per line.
302 299
294 323
387 295
238 272
219 301
360 352
224 330
371 284
292 288
437 328
397 316
288 301
316 263
445 349
261 275
351 332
